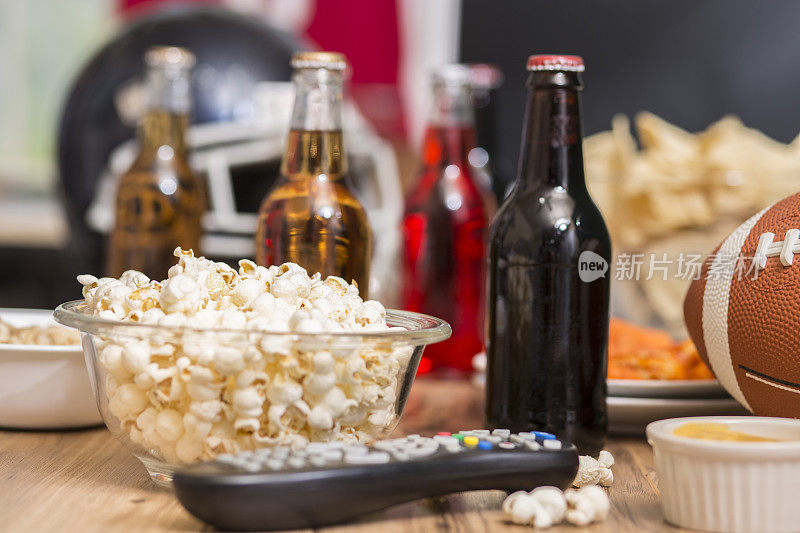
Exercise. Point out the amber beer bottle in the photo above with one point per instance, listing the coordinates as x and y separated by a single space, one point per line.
549 250
311 215
159 200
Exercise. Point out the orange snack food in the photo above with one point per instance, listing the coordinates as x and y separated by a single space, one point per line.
637 352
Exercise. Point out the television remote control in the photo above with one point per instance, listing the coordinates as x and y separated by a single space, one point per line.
328 483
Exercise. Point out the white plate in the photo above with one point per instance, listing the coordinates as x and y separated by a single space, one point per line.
631 415
43 387
666 388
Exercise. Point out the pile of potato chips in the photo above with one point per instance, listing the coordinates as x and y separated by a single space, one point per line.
677 192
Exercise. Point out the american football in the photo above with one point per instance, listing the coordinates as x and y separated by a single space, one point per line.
743 311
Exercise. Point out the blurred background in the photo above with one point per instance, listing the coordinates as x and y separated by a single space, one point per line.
70 96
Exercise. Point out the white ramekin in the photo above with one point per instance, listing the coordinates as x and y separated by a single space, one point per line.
729 486
43 387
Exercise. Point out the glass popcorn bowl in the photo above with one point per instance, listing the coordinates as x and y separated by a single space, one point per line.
179 394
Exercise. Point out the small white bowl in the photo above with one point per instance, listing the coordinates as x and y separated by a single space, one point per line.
729 486
43 387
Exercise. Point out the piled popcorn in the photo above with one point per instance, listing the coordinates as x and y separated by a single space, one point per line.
207 392
544 507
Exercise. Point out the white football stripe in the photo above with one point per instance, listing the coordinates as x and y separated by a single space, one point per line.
771 384
715 307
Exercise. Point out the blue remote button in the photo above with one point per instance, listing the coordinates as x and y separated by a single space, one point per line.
542 435
484 445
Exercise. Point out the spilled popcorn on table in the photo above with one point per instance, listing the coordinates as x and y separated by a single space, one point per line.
193 398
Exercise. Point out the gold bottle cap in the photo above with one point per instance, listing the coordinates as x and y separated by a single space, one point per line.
326 60
169 56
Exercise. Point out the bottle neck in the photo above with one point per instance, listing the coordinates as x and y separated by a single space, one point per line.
163 128
317 100
552 140
450 134
315 145
167 117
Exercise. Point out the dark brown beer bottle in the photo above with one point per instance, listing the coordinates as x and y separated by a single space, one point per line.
159 199
549 251
311 216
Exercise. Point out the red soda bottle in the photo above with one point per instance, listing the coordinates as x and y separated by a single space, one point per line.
445 227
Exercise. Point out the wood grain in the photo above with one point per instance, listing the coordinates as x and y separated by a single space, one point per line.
86 481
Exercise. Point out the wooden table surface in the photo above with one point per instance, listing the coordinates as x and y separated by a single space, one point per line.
84 480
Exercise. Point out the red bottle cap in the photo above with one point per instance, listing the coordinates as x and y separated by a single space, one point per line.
565 63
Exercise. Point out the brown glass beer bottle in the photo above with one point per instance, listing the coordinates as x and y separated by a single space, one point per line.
311 216
549 251
159 200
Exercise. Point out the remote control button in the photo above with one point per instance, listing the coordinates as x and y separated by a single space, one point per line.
480 432
459 436
443 434
413 436
400 456
471 441
485 445
520 438
541 435
494 439
316 447
226 458
446 440
533 445
421 448
503 433
453 447
373 458
507 446
551 444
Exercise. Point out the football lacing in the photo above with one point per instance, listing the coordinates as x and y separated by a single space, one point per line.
784 249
